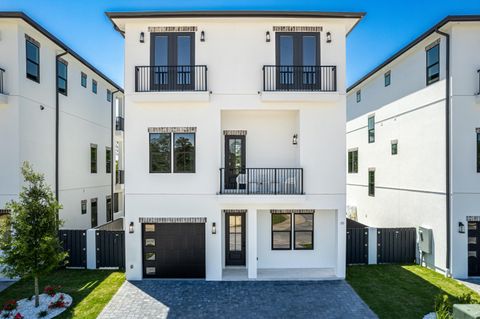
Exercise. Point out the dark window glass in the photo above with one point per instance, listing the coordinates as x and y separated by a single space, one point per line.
94 86
160 153
478 152
83 80
359 96
115 203
109 96
62 70
433 64
281 231
371 129
353 161
93 159
84 207
33 61
371 183
109 215
387 78
161 50
184 153
394 148
94 212
303 231
108 160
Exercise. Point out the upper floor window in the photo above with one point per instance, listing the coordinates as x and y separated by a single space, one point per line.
62 70
359 96
184 153
109 95
33 59
353 161
94 86
108 160
387 78
433 64
84 206
394 147
83 80
93 158
371 129
161 159
160 153
371 182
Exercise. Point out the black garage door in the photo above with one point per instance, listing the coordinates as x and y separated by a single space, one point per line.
174 250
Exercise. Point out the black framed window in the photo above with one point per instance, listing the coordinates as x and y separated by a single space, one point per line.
371 129
281 231
93 158
160 152
94 86
83 80
108 205
62 82
433 64
394 147
387 78
184 153
33 60
115 203
84 206
94 212
478 150
108 160
359 96
303 231
353 161
371 182
109 95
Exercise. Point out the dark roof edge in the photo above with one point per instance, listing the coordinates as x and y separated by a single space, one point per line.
423 36
42 30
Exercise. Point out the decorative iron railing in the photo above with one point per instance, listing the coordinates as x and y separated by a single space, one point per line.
317 78
167 78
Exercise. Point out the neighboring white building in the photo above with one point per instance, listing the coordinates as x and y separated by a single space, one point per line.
31 62
414 145
233 172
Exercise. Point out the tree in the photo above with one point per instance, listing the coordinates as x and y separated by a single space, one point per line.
30 243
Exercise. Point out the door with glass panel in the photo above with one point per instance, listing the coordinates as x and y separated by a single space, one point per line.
172 61
298 61
235 172
235 239
473 248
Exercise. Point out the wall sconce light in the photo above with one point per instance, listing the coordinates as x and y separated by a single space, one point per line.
461 228
214 228
42 107
295 139
329 37
142 37
130 228
202 36
267 36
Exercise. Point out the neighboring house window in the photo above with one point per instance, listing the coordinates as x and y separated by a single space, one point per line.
83 80
184 153
371 129
94 212
108 160
93 158
388 78
62 70
433 64
94 86
109 95
353 161
371 182
115 203
33 60
359 96
281 231
84 206
478 150
108 202
160 153
303 232
394 147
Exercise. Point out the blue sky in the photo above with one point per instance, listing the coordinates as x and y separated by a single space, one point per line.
388 26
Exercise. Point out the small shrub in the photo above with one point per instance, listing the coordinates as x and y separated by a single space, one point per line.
59 303
444 304
51 290
10 305
42 314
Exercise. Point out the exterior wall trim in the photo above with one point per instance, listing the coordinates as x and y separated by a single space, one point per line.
172 130
172 220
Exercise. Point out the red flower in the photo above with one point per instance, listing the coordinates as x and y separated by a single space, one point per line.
51 290
10 305
18 316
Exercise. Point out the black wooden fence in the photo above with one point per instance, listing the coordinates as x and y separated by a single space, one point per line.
74 242
396 245
357 246
110 249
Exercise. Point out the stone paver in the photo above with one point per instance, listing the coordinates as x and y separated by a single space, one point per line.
241 299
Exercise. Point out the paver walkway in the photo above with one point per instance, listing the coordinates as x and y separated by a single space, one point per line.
245 299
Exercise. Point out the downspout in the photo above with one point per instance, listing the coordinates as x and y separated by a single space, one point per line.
112 161
57 123
447 148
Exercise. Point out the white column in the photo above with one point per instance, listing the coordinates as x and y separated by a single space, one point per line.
341 243
252 243
372 245
91 249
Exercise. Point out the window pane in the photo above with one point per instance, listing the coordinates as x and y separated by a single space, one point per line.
184 152
371 122
150 256
32 69
150 270
62 70
309 50
304 240
281 222
93 159
32 52
150 242
84 80
286 50
281 240
161 50
183 50
433 55
433 72
160 152
149 228
303 221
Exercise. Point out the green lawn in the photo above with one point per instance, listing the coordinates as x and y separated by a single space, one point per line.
90 289
396 291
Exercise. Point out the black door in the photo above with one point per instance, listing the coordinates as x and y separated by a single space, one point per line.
298 60
94 212
473 248
235 239
172 61
235 161
174 250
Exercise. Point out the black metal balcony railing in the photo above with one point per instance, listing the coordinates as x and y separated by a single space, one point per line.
119 123
119 176
318 78
162 78
264 181
2 86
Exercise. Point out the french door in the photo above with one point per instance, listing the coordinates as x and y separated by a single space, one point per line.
235 239
234 161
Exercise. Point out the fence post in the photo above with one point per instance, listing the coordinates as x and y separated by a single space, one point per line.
91 249
372 245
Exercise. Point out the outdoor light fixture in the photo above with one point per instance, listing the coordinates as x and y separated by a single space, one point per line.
329 37
267 36
130 228
295 139
142 37
214 228
461 228
202 36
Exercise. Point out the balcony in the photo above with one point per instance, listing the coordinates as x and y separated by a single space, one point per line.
261 181
181 78
119 177
119 123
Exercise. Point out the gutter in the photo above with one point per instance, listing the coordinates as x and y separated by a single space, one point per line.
448 149
57 123
112 161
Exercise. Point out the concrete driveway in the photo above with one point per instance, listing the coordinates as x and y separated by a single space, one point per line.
240 299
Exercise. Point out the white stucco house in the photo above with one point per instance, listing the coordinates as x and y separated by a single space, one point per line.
235 143
60 113
413 143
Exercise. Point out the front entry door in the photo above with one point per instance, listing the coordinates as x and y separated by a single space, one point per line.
474 248
234 161
235 239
